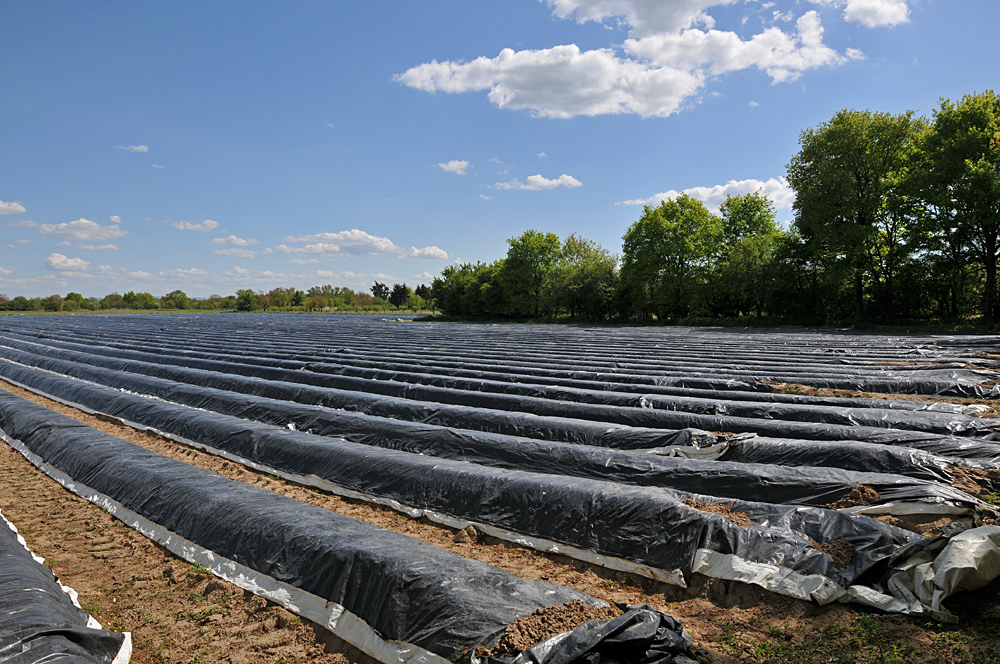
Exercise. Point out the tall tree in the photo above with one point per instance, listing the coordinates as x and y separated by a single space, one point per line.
585 279
531 259
843 177
666 255
750 237
960 180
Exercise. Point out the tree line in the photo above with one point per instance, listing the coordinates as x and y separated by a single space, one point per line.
317 298
896 219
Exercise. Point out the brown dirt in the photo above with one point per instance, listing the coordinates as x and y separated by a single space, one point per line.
840 550
731 623
545 623
928 525
810 391
861 494
739 518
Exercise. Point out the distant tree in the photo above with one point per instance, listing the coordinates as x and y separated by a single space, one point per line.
176 299
112 301
844 177
75 297
750 237
399 295
20 303
666 256
146 301
532 257
246 300
380 291
423 291
959 181
586 279
54 303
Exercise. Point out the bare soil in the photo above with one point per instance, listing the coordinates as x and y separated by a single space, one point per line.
546 623
840 550
739 518
129 583
860 495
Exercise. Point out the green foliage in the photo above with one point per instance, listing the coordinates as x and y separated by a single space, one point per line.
666 257
532 258
400 295
246 300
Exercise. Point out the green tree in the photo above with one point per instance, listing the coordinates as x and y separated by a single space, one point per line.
845 176
666 256
532 257
380 291
54 303
176 299
399 295
246 300
959 178
586 279
750 237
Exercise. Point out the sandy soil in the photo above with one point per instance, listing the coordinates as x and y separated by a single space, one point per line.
810 391
177 614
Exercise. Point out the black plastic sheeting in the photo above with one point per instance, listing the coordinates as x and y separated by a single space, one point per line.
504 395
38 621
681 357
745 481
647 525
414 594
547 419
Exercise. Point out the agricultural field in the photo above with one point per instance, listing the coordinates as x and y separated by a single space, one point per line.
417 486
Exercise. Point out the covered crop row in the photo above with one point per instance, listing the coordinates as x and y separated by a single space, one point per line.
41 620
579 440
376 589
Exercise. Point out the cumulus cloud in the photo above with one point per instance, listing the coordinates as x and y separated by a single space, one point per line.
5 271
11 208
235 241
82 230
872 13
239 252
538 183
115 219
776 189
99 247
240 272
203 227
63 263
454 166
133 148
139 274
353 242
303 261
671 52
427 253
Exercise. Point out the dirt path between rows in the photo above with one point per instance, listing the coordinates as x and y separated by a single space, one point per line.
178 614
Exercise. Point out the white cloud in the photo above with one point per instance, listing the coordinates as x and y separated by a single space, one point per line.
454 166
753 104
872 13
541 155
115 219
239 252
193 272
11 208
139 274
353 242
64 263
21 223
423 276
101 247
240 272
537 183
671 52
485 197
203 227
776 189
82 230
159 166
234 240
428 253
5 271
133 148
303 261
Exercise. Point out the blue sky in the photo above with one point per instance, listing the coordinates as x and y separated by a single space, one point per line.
211 146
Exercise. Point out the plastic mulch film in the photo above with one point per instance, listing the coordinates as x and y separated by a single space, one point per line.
41 619
391 596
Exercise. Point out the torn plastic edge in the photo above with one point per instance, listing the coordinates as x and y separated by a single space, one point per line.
673 577
124 653
334 617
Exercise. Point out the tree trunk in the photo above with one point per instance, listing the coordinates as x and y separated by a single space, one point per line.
858 296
